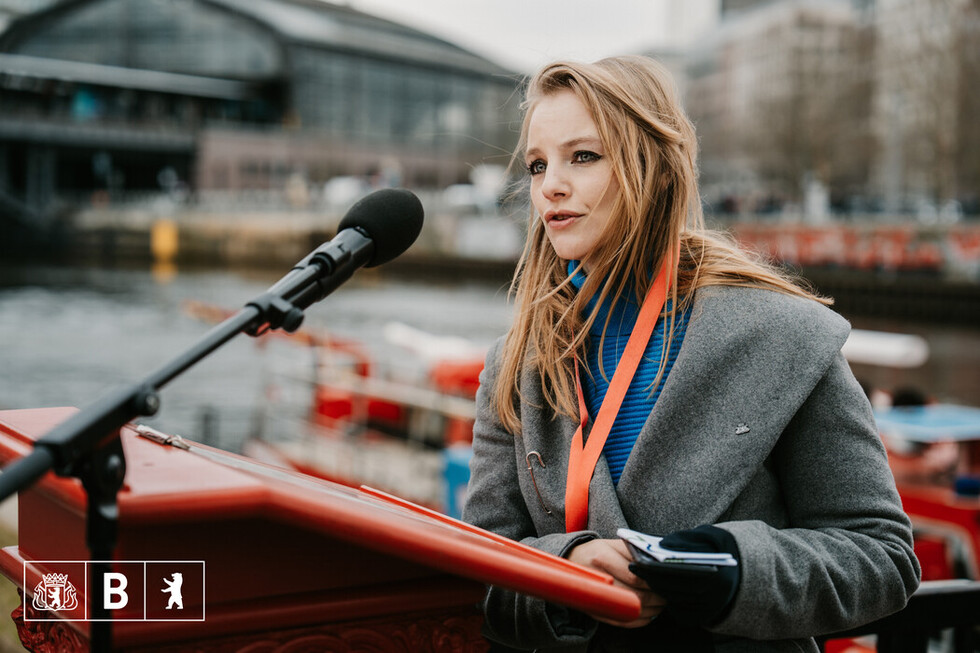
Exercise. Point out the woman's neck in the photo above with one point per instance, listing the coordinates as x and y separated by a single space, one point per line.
622 310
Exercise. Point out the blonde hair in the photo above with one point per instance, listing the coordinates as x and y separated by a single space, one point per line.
652 147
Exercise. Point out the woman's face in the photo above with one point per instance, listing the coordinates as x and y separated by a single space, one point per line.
572 184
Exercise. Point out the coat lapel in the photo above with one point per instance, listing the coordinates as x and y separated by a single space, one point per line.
551 437
605 513
748 361
552 441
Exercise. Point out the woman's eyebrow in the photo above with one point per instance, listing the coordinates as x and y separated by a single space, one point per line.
569 144
586 140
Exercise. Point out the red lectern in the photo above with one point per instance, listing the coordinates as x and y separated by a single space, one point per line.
286 561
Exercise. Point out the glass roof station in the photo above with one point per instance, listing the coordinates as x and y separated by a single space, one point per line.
117 96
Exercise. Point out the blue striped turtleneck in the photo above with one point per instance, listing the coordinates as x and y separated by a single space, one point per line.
639 401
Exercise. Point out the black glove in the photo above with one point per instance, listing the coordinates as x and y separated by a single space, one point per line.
696 595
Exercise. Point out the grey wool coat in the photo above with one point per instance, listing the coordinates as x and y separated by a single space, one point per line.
762 430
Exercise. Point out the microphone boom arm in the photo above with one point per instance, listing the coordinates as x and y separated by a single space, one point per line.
322 272
87 445
319 274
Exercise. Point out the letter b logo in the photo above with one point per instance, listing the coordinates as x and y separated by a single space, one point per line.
119 591
114 591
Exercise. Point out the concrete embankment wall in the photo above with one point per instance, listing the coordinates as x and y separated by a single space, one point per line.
276 241
914 297
259 240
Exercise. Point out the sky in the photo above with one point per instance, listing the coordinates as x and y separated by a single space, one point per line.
525 34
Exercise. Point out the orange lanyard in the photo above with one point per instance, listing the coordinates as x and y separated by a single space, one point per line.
582 459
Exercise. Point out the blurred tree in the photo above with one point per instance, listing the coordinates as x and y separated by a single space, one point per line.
782 99
878 104
815 125
968 155
926 104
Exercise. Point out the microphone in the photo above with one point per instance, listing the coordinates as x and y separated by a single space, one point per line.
378 228
390 218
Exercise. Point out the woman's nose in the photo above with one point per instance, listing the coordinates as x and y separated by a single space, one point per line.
554 184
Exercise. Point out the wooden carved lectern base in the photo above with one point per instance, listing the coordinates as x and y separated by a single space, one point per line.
448 632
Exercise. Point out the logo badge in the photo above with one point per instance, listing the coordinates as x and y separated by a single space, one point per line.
115 590
173 589
55 592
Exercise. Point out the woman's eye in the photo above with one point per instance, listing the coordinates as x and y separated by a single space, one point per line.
536 167
586 157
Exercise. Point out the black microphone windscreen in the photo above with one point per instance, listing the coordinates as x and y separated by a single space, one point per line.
391 218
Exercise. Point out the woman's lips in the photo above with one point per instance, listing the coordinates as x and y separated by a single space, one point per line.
559 216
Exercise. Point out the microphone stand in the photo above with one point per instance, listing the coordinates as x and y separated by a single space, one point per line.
87 445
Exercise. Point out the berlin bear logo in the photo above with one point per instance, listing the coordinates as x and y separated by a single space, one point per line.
55 592
173 587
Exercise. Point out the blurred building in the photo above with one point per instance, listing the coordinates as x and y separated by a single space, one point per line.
11 9
675 61
780 101
926 111
729 7
733 6
805 106
124 95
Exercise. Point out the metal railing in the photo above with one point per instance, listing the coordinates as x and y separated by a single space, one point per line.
935 607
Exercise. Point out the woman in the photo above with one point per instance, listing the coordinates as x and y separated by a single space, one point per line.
712 391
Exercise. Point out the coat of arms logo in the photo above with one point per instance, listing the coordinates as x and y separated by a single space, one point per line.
55 592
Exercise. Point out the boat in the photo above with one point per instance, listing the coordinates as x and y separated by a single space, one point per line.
352 421
350 400
414 440
934 453
404 429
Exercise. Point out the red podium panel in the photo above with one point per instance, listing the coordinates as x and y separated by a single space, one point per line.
289 559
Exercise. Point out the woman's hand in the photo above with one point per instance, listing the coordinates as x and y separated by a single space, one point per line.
613 558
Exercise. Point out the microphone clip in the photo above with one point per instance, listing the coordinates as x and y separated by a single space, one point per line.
274 312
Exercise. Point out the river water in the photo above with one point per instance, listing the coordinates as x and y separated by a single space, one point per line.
69 334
